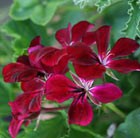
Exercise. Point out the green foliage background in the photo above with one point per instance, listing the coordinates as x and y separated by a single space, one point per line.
22 20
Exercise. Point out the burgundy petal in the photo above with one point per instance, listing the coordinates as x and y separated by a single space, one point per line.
15 127
53 57
35 48
80 112
35 103
63 36
15 72
62 66
89 72
26 103
55 62
24 60
124 47
89 38
59 88
35 41
35 84
102 39
79 30
124 65
106 93
37 55
81 54
35 45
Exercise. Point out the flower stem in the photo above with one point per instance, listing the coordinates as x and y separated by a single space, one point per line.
87 131
112 107
54 108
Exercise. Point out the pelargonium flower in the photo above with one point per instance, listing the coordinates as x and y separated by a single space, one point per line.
27 106
85 61
23 70
41 60
50 59
59 88
114 59
71 35
32 71
16 124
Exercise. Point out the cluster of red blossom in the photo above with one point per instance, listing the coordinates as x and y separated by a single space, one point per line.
42 73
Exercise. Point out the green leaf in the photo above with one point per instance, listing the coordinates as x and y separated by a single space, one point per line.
53 128
102 4
116 16
83 3
4 128
4 135
82 132
132 26
137 54
131 127
5 97
23 32
125 83
39 11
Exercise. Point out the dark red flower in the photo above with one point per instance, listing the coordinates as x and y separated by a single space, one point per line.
89 65
114 58
41 73
41 60
71 35
59 88
27 105
16 124
85 62
15 127
50 59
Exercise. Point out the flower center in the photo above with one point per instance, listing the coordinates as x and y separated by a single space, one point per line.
105 60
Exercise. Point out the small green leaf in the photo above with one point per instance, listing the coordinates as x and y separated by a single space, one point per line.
53 128
83 3
132 27
102 4
23 32
137 53
131 127
39 11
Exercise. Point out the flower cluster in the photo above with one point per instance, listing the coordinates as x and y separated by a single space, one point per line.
42 73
